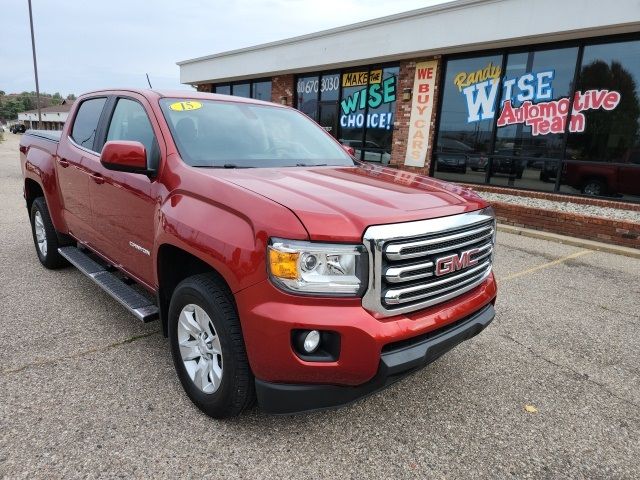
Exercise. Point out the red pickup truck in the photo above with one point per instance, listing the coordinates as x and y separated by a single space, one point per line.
279 267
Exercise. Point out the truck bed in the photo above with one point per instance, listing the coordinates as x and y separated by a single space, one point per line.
52 135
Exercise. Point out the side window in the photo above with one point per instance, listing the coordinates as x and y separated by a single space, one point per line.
86 122
130 122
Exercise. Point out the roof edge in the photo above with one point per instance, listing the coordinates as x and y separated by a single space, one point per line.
441 7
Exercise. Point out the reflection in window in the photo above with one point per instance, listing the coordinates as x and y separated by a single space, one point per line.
609 133
465 133
261 91
223 89
525 143
382 106
307 89
241 90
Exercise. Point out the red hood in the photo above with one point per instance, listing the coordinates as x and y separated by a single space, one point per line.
339 203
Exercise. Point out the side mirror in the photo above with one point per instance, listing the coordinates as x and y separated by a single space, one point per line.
124 156
350 150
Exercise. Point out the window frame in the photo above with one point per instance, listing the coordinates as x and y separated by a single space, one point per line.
105 122
93 148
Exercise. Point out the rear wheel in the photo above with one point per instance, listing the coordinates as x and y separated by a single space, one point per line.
594 187
45 237
208 348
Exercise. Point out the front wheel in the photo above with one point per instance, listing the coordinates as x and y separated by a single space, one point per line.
45 237
208 348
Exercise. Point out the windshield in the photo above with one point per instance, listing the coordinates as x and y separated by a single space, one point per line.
212 133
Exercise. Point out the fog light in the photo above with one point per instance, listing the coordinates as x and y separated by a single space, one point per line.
311 341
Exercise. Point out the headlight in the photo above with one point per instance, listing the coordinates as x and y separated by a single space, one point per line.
317 268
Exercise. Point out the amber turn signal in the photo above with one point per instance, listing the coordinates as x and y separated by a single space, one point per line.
283 264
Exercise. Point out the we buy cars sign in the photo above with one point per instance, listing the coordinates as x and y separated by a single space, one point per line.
421 109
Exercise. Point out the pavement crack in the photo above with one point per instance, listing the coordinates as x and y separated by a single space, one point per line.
576 373
101 348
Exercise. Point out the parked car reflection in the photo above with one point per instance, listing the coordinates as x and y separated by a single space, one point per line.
372 151
452 155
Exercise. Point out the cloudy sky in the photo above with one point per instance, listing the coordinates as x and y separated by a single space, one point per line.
84 44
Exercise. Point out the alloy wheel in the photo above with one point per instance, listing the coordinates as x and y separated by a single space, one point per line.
200 348
41 234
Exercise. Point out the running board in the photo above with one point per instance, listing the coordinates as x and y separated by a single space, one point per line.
128 297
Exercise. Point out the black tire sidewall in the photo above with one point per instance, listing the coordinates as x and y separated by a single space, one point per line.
52 259
218 403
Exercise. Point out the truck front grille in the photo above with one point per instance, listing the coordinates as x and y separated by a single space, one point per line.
415 265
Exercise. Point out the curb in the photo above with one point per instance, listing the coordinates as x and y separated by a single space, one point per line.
573 241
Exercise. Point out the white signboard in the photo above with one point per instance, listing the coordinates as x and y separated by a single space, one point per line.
421 108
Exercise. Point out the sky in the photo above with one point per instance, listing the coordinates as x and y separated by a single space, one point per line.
84 45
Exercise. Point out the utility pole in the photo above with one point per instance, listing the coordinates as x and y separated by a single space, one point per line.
35 66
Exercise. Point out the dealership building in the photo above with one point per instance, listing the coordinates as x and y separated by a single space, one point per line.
534 95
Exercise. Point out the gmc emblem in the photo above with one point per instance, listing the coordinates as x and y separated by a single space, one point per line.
453 263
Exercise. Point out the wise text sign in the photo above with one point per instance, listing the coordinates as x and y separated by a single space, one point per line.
421 108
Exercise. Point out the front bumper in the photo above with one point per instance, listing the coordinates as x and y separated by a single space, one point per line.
396 361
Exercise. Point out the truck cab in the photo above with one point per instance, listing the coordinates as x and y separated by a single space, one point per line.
280 268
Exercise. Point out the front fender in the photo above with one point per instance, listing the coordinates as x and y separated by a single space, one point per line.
232 241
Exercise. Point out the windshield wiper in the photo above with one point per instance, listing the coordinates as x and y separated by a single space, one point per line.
311 164
226 165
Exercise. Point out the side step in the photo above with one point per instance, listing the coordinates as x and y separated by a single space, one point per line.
130 299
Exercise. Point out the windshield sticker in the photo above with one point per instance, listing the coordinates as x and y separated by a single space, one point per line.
185 106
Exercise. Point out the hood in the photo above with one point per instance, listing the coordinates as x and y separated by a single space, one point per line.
339 203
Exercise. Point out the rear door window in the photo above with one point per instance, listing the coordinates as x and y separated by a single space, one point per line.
86 122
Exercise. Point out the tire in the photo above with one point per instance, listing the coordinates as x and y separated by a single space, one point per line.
594 187
215 373
45 237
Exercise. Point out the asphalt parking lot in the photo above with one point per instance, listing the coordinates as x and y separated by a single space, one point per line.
87 391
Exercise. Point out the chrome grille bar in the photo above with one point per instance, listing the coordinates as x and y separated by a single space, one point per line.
447 294
399 295
430 246
410 272
404 257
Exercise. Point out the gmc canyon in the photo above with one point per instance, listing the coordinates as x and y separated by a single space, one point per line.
279 267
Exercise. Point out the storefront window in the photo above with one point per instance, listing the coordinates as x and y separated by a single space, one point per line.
367 108
531 126
328 105
307 89
534 141
465 134
261 91
382 106
241 90
606 135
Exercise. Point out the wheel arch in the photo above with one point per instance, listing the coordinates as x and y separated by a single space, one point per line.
173 265
32 190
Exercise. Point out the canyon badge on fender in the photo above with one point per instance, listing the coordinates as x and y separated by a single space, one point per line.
140 249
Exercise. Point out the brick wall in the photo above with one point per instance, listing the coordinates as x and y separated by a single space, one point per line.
282 86
205 87
600 229
403 115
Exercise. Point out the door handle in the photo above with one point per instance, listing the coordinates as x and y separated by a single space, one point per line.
97 178
63 162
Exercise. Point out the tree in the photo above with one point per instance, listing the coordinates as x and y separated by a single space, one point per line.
71 97
609 135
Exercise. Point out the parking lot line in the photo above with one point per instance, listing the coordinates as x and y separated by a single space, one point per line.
546 265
